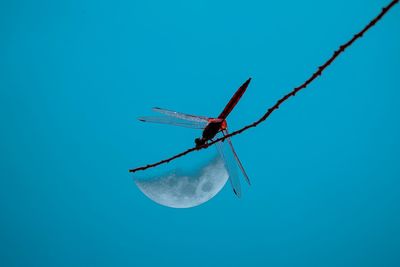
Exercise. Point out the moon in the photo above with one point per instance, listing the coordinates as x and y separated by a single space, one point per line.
184 191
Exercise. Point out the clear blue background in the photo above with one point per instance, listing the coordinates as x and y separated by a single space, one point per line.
325 167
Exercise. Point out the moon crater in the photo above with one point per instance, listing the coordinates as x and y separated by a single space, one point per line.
184 191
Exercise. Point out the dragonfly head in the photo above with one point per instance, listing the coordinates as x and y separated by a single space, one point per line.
199 142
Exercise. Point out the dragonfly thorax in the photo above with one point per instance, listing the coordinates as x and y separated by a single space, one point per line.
211 130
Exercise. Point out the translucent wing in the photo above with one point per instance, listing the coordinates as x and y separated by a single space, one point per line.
225 132
175 122
181 116
230 165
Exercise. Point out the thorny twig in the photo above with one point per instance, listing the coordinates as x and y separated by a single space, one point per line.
341 49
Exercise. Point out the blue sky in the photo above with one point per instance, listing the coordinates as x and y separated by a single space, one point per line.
325 168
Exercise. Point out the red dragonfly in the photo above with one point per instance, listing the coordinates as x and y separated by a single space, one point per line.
211 127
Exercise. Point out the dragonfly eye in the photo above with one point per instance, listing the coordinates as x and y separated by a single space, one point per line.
199 142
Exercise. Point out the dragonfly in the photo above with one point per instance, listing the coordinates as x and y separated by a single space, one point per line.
212 128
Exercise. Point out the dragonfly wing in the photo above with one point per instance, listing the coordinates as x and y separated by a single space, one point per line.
175 122
180 115
225 132
233 175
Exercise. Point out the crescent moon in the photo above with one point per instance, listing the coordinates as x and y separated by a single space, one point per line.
186 191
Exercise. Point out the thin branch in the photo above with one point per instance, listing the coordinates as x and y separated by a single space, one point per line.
341 49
